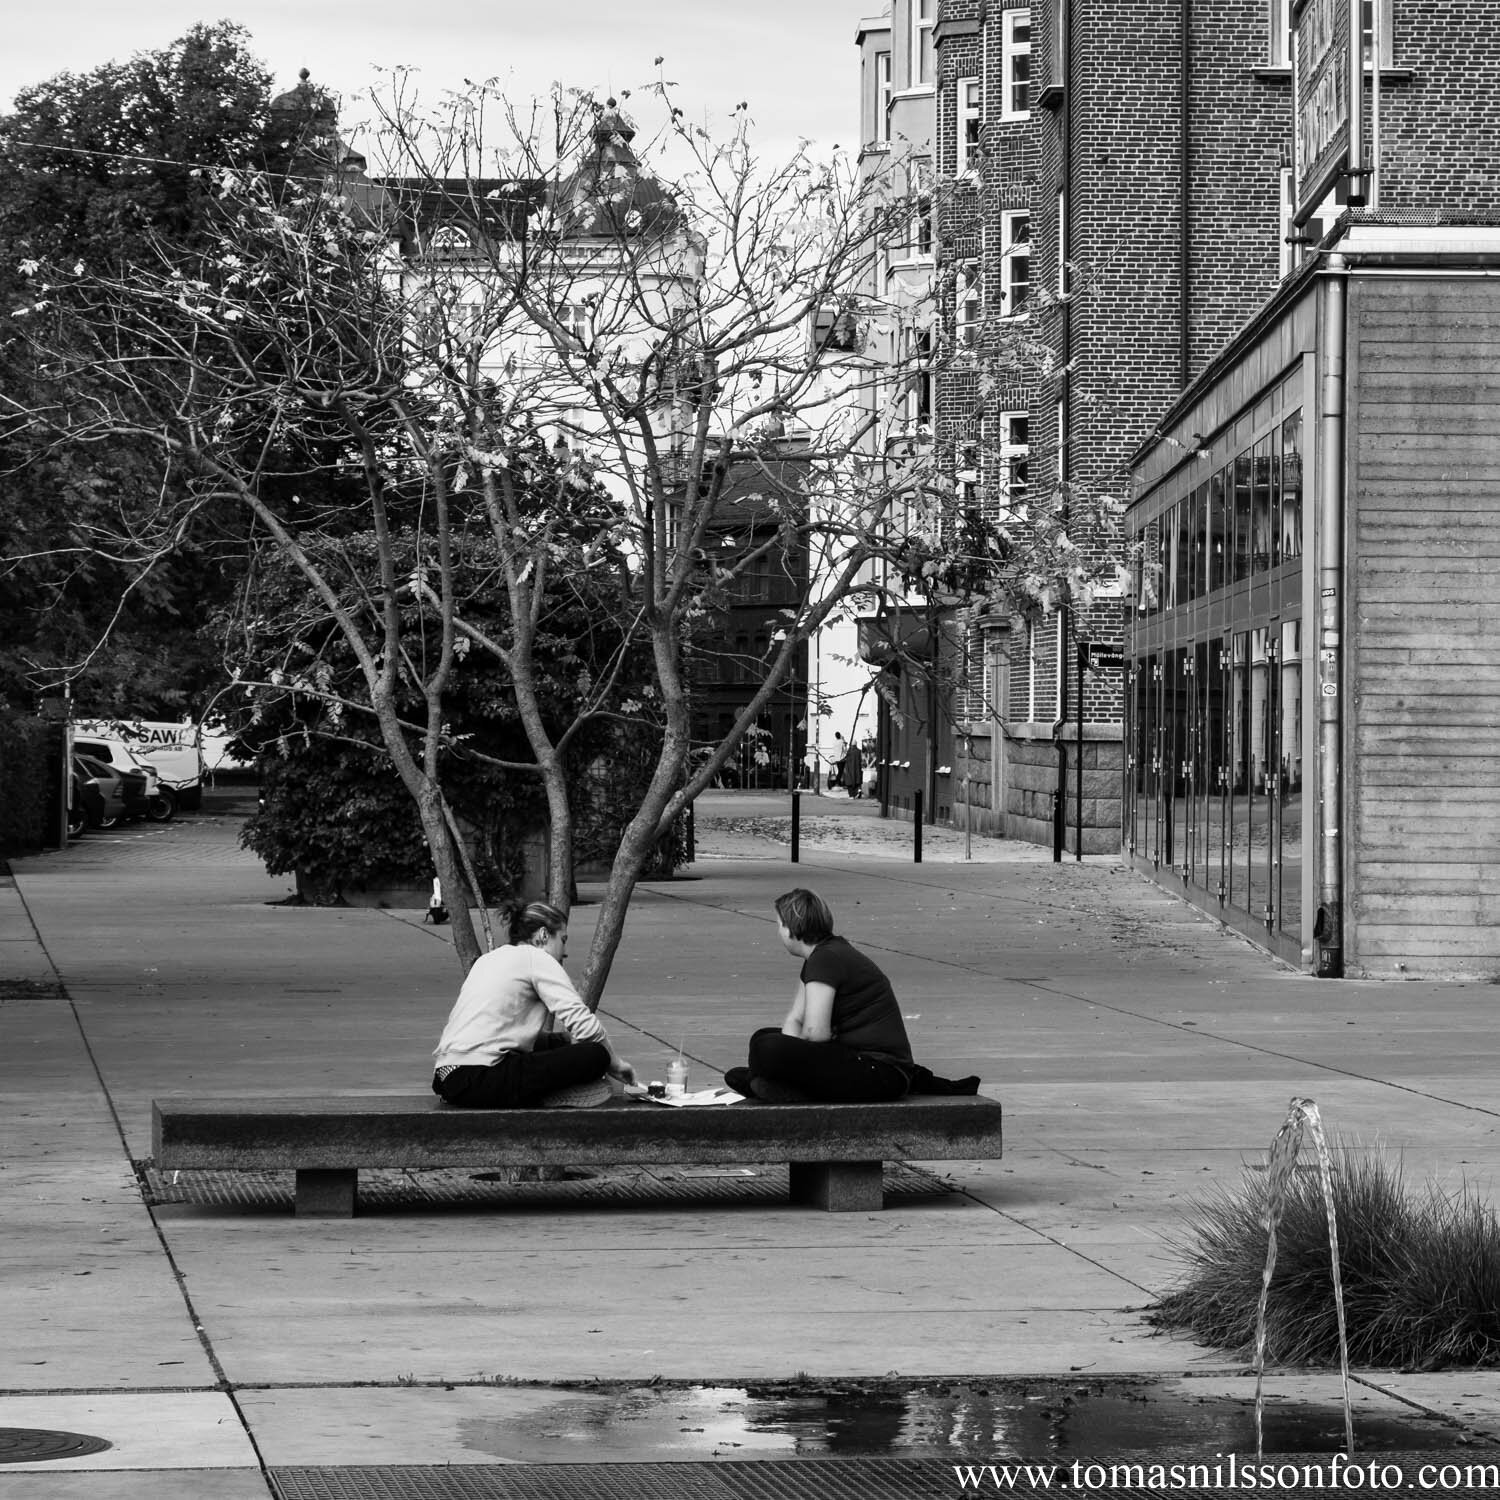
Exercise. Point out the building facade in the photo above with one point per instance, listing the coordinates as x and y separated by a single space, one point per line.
743 624
1314 649
1088 268
1097 266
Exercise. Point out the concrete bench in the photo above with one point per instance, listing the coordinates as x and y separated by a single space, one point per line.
835 1151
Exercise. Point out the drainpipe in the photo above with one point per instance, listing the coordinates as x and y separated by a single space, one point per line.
1328 934
1185 191
1064 406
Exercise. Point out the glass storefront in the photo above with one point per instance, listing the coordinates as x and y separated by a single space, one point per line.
1214 740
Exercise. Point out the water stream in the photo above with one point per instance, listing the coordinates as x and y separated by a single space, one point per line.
1301 1114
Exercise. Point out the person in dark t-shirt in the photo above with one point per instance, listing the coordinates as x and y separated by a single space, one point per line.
843 1041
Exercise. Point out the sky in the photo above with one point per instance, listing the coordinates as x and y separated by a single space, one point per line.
792 61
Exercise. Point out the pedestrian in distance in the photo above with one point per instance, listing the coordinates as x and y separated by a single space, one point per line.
854 771
843 1040
499 1051
836 761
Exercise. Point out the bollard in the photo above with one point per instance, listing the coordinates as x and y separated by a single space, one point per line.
796 828
916 827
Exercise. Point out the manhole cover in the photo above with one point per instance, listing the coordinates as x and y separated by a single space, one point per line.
35 1445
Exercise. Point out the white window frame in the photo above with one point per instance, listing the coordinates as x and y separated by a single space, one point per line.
920 393
922 69
1386 15
966 473
1013 48
919 190
1289 257
1062 242
1279 49
1279 52
1015 246
574 318
884 87
1014 448
968 305
970 124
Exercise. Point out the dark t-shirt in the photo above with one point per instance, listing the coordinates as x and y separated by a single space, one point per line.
866 1015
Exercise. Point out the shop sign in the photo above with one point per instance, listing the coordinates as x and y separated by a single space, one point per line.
1328 104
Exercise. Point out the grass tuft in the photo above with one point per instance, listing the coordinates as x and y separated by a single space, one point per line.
1420 1269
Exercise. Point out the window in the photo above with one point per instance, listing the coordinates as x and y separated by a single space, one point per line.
920 194
1295 240
1062 242
1279 54
1367 25
918 400
966 474
835 331
1015 450
1015 261
922 12
883 98
1281 32
970 124
450 241
1290 256
1015 66
969 301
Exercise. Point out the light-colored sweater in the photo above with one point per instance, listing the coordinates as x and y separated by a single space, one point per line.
504 1005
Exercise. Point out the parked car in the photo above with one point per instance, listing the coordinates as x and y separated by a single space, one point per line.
173 750
87 807
124 791
112 750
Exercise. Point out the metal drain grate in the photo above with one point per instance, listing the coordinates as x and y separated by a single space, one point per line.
35 1445
389 1188
815 1479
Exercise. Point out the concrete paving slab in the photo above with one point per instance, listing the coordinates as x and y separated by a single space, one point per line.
155 1431
592 1307
137 1484
78 1244
1471 1397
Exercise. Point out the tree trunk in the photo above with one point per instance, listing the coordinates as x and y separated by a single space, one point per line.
450 872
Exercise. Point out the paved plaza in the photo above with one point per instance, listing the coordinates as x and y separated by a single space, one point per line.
219 1345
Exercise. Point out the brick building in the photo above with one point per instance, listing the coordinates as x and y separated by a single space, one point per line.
1109 210
739 630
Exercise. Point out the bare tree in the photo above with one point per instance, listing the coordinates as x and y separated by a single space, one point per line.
540 330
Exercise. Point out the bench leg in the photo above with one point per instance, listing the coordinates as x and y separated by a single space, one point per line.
839 1186
327 1193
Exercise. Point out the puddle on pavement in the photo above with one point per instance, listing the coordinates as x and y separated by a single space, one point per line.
995 1421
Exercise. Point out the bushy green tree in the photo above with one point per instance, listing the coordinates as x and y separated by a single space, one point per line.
332 808
110 168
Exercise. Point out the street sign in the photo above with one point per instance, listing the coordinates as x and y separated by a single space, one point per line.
1097 655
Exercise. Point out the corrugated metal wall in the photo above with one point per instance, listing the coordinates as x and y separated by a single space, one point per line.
1422 808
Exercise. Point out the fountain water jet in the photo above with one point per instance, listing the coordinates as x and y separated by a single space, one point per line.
1302 1113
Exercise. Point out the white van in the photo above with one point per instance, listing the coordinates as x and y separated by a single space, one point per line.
171 750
